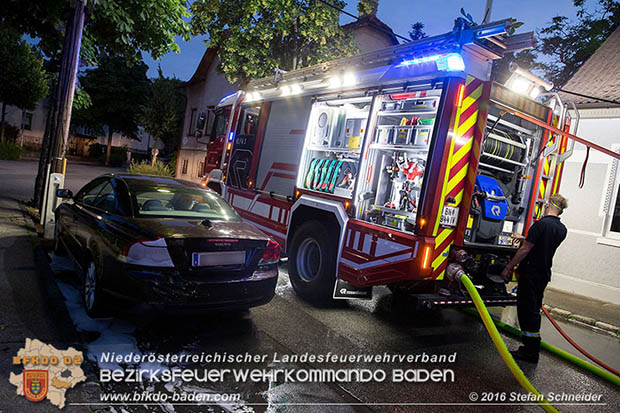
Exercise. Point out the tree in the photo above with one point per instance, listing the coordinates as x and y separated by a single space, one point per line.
124 28
564 46
22 79
118 92
114 27
162 115
568 45
255 37
365 7
417 31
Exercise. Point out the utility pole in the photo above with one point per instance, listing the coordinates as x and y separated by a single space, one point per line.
55 140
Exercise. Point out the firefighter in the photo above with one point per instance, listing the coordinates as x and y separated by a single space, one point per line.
534 258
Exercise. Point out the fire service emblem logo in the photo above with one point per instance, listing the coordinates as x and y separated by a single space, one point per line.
36 384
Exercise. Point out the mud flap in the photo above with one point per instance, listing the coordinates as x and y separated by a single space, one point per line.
345 291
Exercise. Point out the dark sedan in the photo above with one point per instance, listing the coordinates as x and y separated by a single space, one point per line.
165 242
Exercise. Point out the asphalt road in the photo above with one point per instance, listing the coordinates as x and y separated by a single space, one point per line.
290 326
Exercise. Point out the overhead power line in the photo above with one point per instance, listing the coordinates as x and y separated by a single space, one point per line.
615 102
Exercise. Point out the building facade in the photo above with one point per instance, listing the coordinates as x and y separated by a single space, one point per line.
588 261
207 87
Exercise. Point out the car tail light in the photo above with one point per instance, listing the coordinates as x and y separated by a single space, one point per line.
148 253
271 254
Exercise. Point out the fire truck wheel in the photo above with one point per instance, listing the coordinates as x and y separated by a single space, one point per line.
312 262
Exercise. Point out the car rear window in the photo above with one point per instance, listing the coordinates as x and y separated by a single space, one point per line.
178 201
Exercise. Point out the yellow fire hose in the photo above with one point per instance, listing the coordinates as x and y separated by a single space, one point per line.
501 346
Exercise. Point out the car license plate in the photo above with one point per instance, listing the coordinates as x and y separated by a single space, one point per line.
449 216
212 259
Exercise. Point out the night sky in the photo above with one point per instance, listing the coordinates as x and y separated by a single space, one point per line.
437 15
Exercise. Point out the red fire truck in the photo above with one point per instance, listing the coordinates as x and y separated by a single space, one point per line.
385 167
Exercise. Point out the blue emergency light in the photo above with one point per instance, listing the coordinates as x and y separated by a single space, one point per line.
231 136
452 62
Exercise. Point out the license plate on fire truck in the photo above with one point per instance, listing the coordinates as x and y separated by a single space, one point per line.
449 216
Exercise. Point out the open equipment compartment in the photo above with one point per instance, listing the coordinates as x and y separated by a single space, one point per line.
389 194
509 155
331 156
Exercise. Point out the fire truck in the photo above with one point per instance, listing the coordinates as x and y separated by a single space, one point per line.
387 167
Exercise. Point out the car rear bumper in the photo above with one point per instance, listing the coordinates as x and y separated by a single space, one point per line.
167 290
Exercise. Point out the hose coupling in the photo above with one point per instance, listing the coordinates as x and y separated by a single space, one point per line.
454 272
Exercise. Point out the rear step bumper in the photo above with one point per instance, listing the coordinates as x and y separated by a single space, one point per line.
434 301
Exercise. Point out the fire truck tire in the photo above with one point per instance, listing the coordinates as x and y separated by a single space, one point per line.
312 262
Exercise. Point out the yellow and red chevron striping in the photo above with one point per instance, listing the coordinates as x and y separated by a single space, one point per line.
461 145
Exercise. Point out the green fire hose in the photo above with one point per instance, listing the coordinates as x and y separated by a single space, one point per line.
501 346
559 352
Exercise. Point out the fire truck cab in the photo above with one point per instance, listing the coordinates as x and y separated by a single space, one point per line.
386 167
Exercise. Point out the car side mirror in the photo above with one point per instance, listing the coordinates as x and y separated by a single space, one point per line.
64 193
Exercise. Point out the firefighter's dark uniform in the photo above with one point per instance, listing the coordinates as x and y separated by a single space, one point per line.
534 273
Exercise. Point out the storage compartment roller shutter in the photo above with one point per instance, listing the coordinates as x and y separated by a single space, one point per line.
282 145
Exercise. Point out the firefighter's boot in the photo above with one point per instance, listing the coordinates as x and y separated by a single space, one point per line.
529 351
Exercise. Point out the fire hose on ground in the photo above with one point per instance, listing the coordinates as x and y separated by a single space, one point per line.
499 343
456 272
577 346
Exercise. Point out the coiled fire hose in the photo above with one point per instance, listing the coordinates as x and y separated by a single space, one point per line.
577 346
499 343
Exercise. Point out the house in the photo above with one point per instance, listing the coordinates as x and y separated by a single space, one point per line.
587 262
204 90
31 126
207 86
31 123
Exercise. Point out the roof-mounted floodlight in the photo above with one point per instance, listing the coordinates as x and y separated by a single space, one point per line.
525 83
344 80
252 96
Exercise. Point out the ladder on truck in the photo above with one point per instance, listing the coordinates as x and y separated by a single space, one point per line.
557 150
554 153
486 41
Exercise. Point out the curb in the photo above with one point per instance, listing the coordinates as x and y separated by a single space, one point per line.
583 321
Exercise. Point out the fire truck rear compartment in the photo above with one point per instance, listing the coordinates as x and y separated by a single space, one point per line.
501 198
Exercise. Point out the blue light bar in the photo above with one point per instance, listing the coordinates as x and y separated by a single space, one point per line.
226 97
231 136
452 62
419 60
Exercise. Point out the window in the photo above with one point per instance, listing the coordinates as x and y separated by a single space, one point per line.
184 167
219 123
200 170
209 123
27 121
167 201
612 200
192 120
88 194
105 200
243 150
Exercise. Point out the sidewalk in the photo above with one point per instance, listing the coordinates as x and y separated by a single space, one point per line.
31 306
585 310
